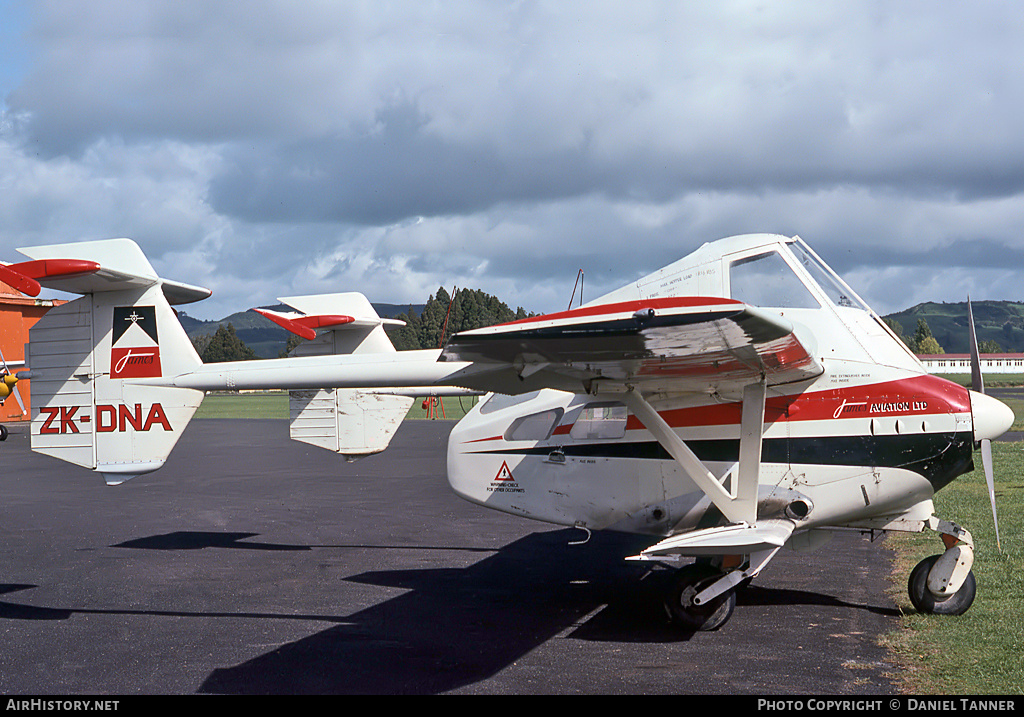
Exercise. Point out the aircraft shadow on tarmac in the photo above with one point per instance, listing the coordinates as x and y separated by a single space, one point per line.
198 540
458 626
454 626
20 611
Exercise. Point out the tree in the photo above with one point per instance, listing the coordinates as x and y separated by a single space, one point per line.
432 320
405 338
897 329
923 342
929 346
471 309
199 343
225 345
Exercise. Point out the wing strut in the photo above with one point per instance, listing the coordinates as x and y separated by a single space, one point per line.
751 432
740 504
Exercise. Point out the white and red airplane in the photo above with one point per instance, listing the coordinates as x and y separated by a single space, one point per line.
738 401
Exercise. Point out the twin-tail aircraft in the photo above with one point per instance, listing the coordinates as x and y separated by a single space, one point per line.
736 402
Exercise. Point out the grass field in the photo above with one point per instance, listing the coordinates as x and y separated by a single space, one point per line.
992 380
274 404
452 407
271 404
980 652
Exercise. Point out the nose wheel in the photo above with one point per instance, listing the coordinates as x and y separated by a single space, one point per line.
944 584
688 582
931 603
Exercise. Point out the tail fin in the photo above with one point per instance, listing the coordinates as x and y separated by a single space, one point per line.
85 354
353 422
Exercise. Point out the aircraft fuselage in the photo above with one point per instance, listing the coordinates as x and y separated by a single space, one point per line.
853 452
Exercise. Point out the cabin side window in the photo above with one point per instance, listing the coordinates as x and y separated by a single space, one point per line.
600 421
766 280
535 427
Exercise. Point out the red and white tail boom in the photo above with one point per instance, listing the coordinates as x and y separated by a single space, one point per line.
118 379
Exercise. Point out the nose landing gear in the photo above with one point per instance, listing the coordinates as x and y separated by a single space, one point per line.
944 584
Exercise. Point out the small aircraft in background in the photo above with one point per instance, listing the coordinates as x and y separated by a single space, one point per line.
9 386
738 401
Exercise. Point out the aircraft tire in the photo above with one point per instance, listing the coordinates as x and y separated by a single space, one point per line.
688 581
925 602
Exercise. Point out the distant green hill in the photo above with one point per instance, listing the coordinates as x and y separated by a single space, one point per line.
999 321
262 335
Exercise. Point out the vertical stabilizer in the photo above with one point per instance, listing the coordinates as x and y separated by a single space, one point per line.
353 422
85 356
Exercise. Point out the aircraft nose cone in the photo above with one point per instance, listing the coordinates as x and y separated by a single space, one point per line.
992 417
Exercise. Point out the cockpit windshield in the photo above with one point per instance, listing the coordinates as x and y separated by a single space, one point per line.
768 280
837 291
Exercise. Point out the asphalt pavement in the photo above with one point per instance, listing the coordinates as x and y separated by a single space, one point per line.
251 564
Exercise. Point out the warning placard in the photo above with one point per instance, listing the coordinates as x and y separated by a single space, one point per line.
504 473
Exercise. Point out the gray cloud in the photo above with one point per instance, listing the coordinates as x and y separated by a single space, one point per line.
387 174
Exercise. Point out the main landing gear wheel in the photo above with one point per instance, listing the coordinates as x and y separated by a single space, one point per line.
926 602
687 583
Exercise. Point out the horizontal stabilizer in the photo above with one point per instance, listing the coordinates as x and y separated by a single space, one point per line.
726 540
334 324
101 266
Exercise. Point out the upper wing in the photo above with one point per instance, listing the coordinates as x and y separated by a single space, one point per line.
681 344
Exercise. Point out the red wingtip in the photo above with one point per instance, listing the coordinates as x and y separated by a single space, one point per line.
290 324
55 268
17 280
324 321
306 326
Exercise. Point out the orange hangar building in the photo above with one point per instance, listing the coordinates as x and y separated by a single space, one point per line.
18 312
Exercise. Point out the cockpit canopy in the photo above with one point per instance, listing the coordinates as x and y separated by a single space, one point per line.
787 276
781 274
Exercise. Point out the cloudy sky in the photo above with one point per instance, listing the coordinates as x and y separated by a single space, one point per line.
268 149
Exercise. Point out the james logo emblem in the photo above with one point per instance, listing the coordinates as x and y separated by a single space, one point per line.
134 348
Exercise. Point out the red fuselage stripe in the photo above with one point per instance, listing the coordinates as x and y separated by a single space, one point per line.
921 395
629 307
